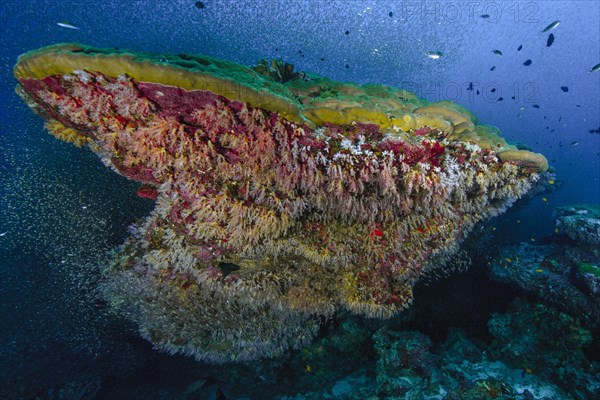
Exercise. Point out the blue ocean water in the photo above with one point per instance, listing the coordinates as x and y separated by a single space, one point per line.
61 210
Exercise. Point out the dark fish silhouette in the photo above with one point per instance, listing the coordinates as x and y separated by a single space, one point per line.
520 47
564 88
527 63
550 40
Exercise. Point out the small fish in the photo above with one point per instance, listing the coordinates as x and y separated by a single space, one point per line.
550 40
594 130
470 86
508 260
497 52
493 68
556 231
434 55
532 239
200 5
478 92
485 16
520 47
575 143
551 181
551 26
308 368
535 106
228 268
500 98
527 63
539 270
545 200
594 68
3 233
67 25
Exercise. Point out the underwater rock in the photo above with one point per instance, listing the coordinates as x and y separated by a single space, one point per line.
546 342
551 273
408 368
279 199
405 366
581 223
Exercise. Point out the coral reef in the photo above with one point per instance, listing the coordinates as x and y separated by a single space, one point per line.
278 201
581 223
563 272
520 363
553 273
547 342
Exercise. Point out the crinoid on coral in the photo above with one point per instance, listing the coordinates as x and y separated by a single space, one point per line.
277 70
277 203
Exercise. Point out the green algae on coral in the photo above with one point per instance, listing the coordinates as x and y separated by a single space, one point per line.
589 268
299 100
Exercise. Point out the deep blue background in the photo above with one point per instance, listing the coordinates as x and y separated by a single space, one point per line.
60 208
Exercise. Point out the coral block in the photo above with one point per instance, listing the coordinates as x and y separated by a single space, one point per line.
281 197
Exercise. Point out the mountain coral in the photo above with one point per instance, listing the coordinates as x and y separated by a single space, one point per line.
277 203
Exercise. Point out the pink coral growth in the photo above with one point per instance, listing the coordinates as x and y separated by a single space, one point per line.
240 179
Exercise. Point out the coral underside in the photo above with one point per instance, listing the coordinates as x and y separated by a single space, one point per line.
264 225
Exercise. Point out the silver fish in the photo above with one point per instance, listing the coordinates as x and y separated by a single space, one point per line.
594 68
551 26
434 55
66 25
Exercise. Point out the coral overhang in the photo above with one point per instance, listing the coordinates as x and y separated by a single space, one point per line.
277 203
